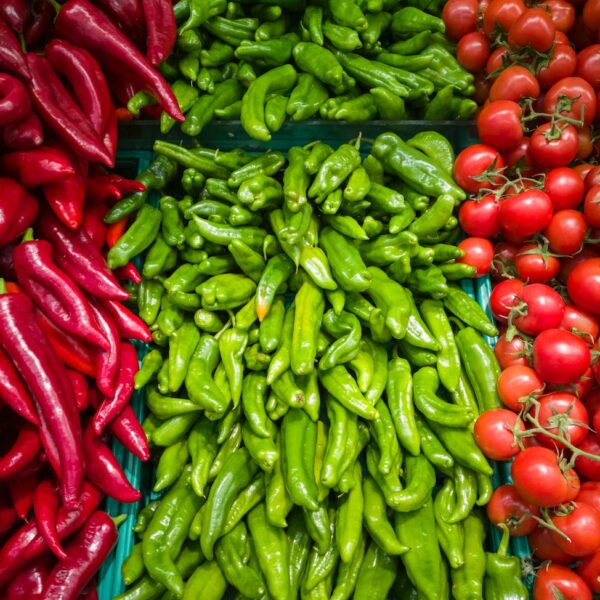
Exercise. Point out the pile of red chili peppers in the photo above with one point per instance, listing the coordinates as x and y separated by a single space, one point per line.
67 364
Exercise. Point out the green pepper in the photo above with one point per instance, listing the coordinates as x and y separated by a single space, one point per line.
432 448
299 543
465 489
436 147
318 61
275 112
260 192
445 70
190 159
450 536
272 29
208 321
266 164
348 14
151 363
387 248
348 573
467 580
309 304
377 23
263 450
233 111
389 106
413 45
159 259
312 20
341 37
282 358
133 566
413 20
247 499
226 291
316 157
170 465
182 345
377 574
232 31
202 445
200 12
347 226
390 298
355 444
208 580
343 387
456 271
406 62
268 53
346 328
186 95
249 261
468 310
306 98
334 169
309 384
384 433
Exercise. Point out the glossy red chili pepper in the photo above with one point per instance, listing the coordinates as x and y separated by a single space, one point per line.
12 57
80 389
111 135
108 362
14 99
129 324
24 451
104 470
123 90
29 583
27 134
60 112
128 273
39 27
85 555
27 543
8 516
76 254
113 406
44 374
15 13
88 27
114 231
54 292
98 189
38 166
129 16
161 30
7 268
93 220
45 509
21 492
18 210
128 430
13 391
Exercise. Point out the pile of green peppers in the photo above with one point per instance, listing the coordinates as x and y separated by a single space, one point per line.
337 59
313 380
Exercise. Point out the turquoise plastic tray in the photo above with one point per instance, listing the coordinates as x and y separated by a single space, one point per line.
135 143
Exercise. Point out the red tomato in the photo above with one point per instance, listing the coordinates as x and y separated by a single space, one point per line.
596 417
583 285
551 146
502 14
480 218
472 51
581 95
591 206
515 83
482 88
503 297
583 170
560 356
581 36
535 266
498 60
460 17
544 547
538 478
588 65
565 188
581 322
503 261
511 353
566 232
479 253
589 570
588 467
516 383
494 433
544 309
561 403
592 178
591 15
561 38
533 28
590 494
562 14
474 161
568 264
582 527
519 156
526 213
552 580
506 506
499 124
585 146
563 62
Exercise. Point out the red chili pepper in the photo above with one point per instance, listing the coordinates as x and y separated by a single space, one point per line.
93 220
21 491
72 352
27 543
29 583
15 13
24 451
112 407
39 27
14 392
115 231
128 273
129 324
54 292
86 26
45 508
161 30
37 167
99 189
128 430
126 186
111 135
77 256
14 99
18 210
47 380
122 113
80 389
85 555
104 470
129 16
107 361
7 268
12 57
8 516
59 111
27 134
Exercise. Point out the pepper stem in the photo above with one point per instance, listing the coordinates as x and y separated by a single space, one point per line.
3 289
28 235
503 547
119 520
55 5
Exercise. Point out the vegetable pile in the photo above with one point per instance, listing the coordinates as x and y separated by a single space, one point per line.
298 60
288 350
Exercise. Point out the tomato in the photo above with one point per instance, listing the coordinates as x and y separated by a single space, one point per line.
533 28
472 51
561 403
506 506
588 65
563 62
562 14
544 547
460 17
591 206
566 231
560 356
480 218
494 433
590 494
519 156
511 353
551 146
534 265
503 297
596 417
592 178
526 213
581 36
581 322
503 261
589 467
473 162
582 526
499 124
561 38
552 580
516 383
515 83
568 264
479 253
577 96
583 285
583 170
589 570
502 14
585 146
498 60
538 478
544 309
482 88
591 15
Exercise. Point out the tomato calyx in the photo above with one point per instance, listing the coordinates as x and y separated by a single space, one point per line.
558 121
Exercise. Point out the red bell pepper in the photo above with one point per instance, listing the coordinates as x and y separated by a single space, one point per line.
21 491
45 509
18 210
161 30
80 389
129 324
29 583
24 451
13 391
14 99
15 13
39 27
38 166
93 220
85 554
12 57
27 134
108 362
